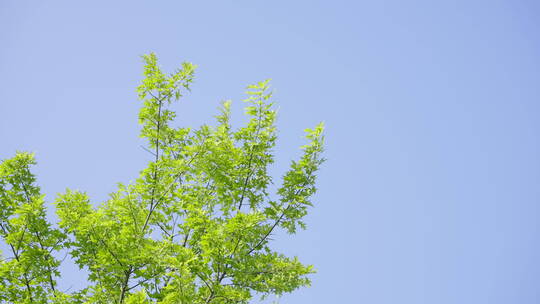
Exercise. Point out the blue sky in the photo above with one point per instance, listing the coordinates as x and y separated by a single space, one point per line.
431 191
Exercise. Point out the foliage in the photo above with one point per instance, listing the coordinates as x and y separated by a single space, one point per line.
194 227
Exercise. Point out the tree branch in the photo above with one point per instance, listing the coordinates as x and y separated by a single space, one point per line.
250 171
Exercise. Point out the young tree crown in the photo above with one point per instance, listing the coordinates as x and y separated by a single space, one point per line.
194 227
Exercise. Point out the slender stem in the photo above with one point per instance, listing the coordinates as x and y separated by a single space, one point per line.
250 171
156 155
47 258
40 242
125 284
25 274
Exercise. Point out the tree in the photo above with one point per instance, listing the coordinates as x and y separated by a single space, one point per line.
194 227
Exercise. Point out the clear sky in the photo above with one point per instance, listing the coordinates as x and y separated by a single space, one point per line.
431 191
